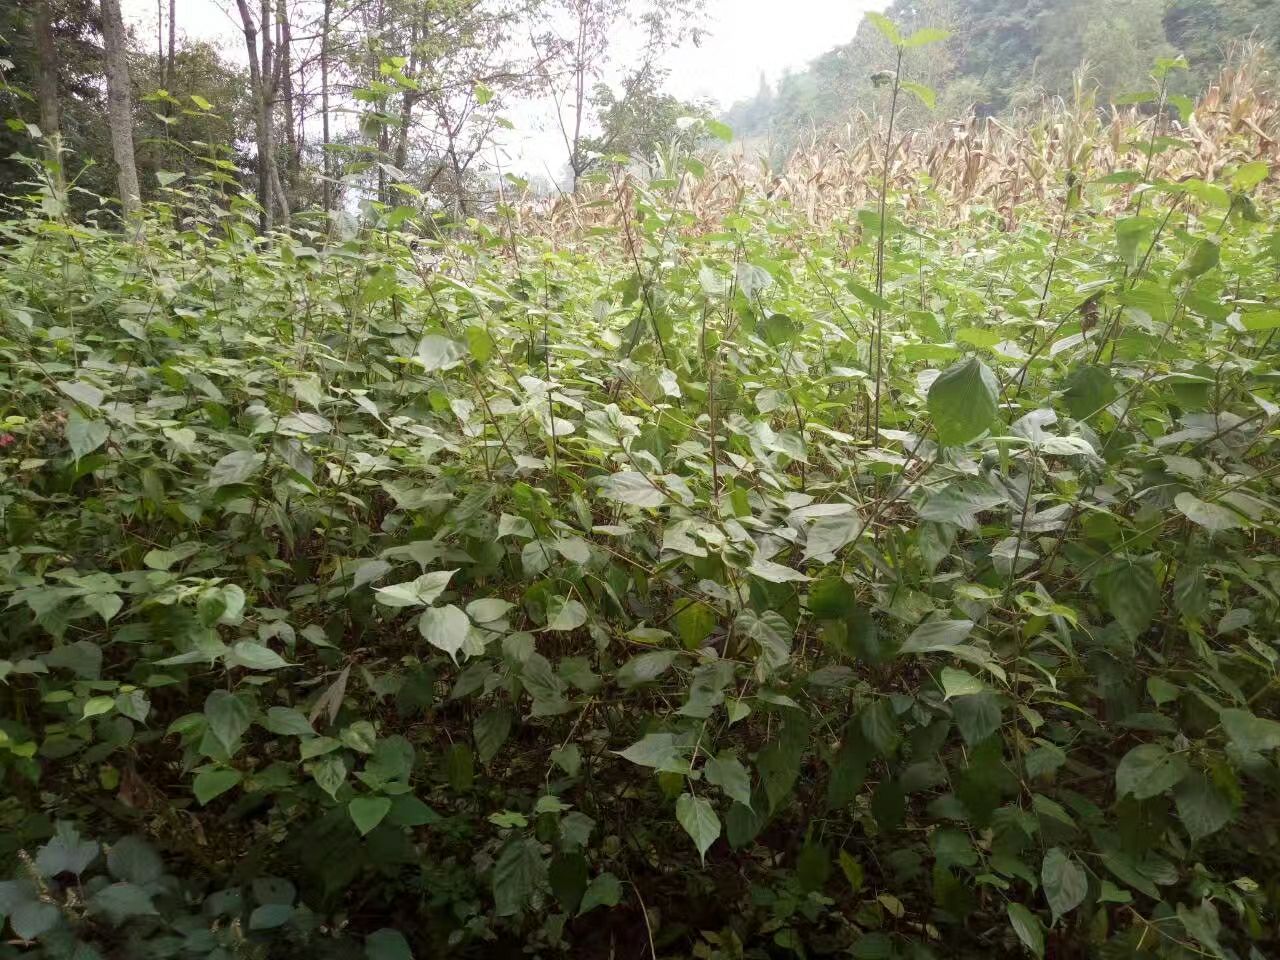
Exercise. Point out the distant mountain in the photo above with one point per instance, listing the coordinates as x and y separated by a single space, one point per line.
1004 54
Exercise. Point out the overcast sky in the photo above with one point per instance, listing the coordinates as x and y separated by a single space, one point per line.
746 38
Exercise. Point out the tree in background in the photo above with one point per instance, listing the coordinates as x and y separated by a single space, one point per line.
578 47
120 107
643 118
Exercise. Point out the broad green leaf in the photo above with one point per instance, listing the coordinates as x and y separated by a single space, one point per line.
1027 926
604 890
926 35
437 353
564 614
1203 807
631 487
236 467
367 812
937 636
888 29
699 820
926 95
491 730
422 591
211 783
727 772
657 750
1250 733
962 401
85 435
445 628
1064 881
66 852
228 718
387 944
1148 770
519 871
1212 516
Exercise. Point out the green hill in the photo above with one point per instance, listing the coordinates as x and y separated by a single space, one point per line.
1003 54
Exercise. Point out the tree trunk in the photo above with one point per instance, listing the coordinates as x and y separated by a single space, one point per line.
262 79
286 88
407 100
120 108
47 92
324 106
173 43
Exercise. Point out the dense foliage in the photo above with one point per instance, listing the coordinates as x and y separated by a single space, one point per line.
899 586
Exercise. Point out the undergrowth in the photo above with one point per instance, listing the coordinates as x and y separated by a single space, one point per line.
528 591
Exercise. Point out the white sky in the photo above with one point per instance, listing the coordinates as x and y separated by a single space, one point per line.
746 38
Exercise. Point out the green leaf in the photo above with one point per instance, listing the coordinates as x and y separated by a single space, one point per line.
288 722
445 628
937 636
201 102
699 820
460 766
120 901
228 718
422 591
1250 733
1249 175
721 131
657 750
520 871
96 706
694 622
852 870
828 535
1203 807
438 353
491 730
645 668
1065 882
1130 593
727 772
212 783
605 890
926 35
134 860
387 944
255 656
963 401
564 614
632 487
66 852
85 435
1027 926
958 683
1148 770
1203 257
926 95
270 916
1212 516
887 28
367 812
236 467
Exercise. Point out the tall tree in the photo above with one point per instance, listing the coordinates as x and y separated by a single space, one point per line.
583 52
326 158
264 77
47 89
120 107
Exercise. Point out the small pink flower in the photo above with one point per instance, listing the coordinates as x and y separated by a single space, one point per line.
7 440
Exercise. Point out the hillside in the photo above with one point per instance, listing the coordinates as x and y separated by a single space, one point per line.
1006 54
